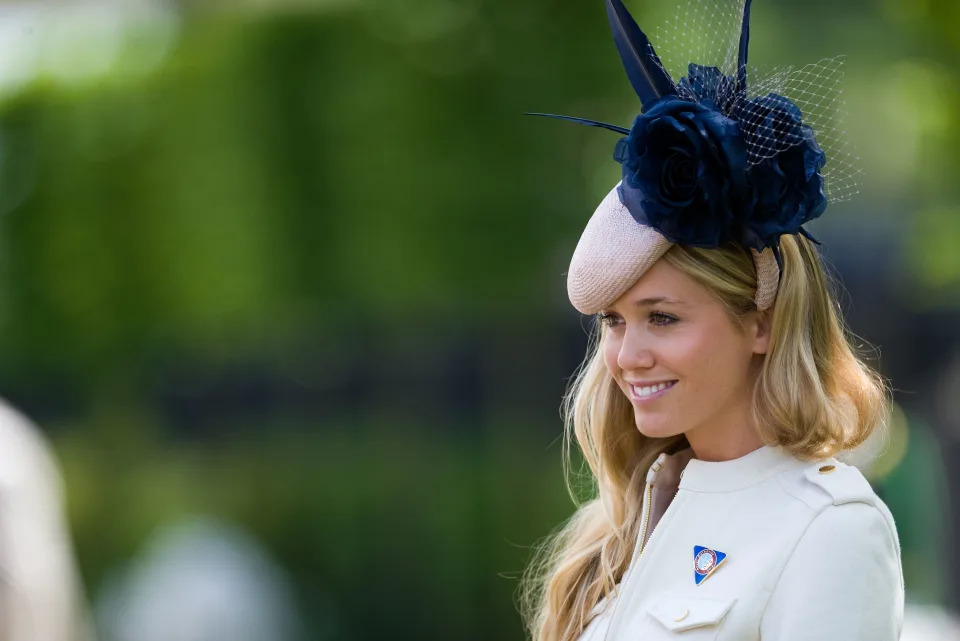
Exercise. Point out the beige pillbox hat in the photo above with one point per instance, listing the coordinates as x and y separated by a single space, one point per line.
615 250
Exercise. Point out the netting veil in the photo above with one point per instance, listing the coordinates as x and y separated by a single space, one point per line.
708 32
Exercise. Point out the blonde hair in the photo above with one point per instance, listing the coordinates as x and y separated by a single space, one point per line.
813 395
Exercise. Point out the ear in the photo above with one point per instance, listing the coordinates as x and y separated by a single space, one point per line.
760 328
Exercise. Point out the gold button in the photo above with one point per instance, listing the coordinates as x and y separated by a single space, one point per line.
657 466
826 469
682 616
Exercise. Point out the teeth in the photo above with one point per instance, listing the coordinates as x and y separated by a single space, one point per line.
649 389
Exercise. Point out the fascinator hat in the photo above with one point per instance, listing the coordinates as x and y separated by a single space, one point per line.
707 163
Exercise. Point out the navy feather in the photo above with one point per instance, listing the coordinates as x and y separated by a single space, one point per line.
809 237
742 52
646 73
584 121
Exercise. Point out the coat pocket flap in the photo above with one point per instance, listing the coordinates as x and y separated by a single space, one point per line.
678 612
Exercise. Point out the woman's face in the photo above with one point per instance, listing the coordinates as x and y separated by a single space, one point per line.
685 365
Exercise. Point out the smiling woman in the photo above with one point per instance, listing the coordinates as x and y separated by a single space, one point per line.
700 415
718 389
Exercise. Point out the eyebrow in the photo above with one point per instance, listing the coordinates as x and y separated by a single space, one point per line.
649 302
656 300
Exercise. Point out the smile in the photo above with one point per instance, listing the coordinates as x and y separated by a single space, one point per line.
649 392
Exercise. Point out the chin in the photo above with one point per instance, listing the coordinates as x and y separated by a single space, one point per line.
654 427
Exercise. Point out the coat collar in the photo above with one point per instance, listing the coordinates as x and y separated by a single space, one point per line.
727 476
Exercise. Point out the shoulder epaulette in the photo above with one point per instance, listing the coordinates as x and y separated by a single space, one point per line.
844 483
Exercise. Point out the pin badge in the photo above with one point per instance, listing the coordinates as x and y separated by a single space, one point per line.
705 561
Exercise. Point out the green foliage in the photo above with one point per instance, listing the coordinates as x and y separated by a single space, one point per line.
431 534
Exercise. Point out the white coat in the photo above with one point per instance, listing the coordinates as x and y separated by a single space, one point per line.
812 553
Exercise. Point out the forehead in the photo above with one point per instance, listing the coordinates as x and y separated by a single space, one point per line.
664 281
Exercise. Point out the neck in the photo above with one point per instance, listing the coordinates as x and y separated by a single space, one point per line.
725 437
724 448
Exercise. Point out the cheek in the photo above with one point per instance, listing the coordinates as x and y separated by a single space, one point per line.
711 362
611 350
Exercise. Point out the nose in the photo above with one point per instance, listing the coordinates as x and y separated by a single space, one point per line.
635 351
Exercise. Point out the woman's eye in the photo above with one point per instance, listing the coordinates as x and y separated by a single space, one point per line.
658 319
609 319
661 319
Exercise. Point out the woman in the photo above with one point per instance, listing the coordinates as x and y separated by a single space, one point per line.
718 389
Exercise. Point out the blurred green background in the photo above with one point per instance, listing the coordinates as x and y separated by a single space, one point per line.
300 266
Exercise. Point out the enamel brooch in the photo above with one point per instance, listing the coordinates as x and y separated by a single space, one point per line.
705 561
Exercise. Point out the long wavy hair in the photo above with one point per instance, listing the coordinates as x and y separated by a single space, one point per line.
814 395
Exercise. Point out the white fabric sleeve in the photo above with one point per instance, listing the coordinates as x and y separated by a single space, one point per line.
843 581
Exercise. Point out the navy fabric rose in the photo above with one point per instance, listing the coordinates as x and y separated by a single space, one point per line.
786 185
683 172
702 177
770 124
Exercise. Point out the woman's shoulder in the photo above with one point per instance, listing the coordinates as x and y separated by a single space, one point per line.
845 566
829 482
846 550
842 504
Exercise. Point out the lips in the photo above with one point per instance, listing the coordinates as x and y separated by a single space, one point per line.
647 391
